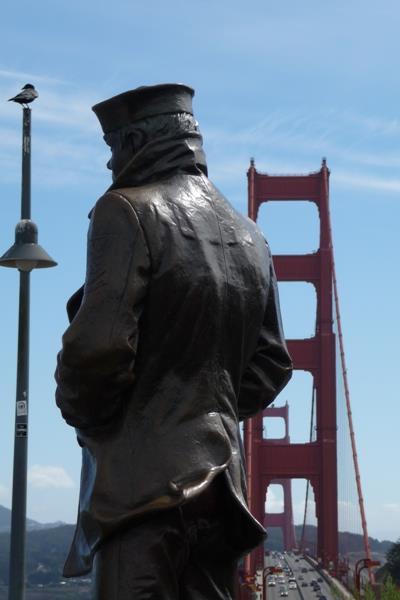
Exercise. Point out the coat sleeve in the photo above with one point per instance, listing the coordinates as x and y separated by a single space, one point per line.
96 366
270 367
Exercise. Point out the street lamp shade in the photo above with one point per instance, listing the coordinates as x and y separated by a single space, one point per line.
26 254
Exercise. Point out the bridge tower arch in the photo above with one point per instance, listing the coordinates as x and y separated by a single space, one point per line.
284 519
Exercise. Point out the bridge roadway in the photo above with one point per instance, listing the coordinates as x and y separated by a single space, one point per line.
304 575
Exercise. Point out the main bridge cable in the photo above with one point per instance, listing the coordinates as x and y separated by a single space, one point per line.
346 389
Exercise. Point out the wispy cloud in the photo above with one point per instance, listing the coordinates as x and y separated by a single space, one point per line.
365 181
346 504
56 108
29 77
42 476
361 149
298 511
332 132
273 504
66 138
373 124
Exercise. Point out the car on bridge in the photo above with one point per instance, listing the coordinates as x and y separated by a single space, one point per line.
283 591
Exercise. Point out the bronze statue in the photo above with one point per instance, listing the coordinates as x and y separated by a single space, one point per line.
174 337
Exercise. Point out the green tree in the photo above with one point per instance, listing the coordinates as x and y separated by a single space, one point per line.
393 561
390 590
369 593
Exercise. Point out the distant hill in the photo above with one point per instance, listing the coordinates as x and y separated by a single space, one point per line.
31 525
47 548
351 542
46 553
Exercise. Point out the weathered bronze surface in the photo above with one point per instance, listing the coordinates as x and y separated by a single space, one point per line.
174 337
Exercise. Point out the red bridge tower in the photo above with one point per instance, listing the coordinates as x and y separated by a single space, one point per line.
315 461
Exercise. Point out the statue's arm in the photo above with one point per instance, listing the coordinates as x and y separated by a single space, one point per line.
95 367
270 367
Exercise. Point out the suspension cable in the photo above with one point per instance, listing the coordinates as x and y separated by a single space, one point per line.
348 404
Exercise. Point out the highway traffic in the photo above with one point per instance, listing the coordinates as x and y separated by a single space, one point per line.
297 579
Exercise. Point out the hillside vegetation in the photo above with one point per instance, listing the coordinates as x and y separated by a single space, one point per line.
47 550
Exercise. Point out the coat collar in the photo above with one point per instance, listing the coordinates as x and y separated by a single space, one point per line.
163 157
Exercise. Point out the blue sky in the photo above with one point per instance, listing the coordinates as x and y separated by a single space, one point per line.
284 81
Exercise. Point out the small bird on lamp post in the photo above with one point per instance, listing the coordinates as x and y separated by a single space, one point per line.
27 94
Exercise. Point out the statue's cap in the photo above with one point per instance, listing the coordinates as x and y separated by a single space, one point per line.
143 102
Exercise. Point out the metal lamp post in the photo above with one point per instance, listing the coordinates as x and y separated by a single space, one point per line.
25 255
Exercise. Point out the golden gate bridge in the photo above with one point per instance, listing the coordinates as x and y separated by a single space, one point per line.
328 460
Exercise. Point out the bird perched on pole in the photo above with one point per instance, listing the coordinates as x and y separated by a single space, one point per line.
27 95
